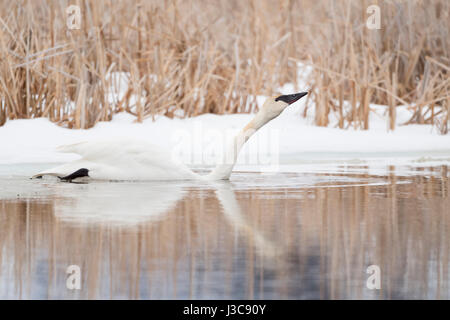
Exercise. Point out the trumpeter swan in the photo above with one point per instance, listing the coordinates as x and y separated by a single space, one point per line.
137 160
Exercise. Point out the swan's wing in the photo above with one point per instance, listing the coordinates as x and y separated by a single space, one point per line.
108 149
122 159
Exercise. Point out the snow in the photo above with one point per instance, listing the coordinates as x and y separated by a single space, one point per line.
200 140
203 140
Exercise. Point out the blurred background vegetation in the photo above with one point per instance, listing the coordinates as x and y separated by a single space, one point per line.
185 57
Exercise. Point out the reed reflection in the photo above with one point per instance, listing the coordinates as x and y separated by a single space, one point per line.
219 241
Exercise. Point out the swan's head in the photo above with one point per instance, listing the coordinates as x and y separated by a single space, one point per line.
273 106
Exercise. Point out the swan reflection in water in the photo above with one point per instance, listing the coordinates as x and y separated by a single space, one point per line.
228 240
130 204
117 204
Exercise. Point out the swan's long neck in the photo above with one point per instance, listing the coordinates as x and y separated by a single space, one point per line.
223 171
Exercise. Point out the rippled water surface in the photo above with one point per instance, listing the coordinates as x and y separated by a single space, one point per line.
289 235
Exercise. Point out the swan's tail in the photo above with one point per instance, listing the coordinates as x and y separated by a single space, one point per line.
68 171
41 174
60 171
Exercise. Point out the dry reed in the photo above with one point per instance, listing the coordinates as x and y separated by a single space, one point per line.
215 56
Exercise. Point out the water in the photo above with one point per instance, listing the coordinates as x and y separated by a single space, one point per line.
297 234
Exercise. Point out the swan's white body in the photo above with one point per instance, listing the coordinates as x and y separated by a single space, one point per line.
126 159
123 159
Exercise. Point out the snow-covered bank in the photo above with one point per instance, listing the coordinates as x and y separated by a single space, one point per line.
204 140
199 140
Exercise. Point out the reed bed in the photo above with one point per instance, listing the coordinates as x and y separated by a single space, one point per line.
185 58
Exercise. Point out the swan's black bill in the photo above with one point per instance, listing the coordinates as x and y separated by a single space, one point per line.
291 98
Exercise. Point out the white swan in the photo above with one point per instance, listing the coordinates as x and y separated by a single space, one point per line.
137 160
